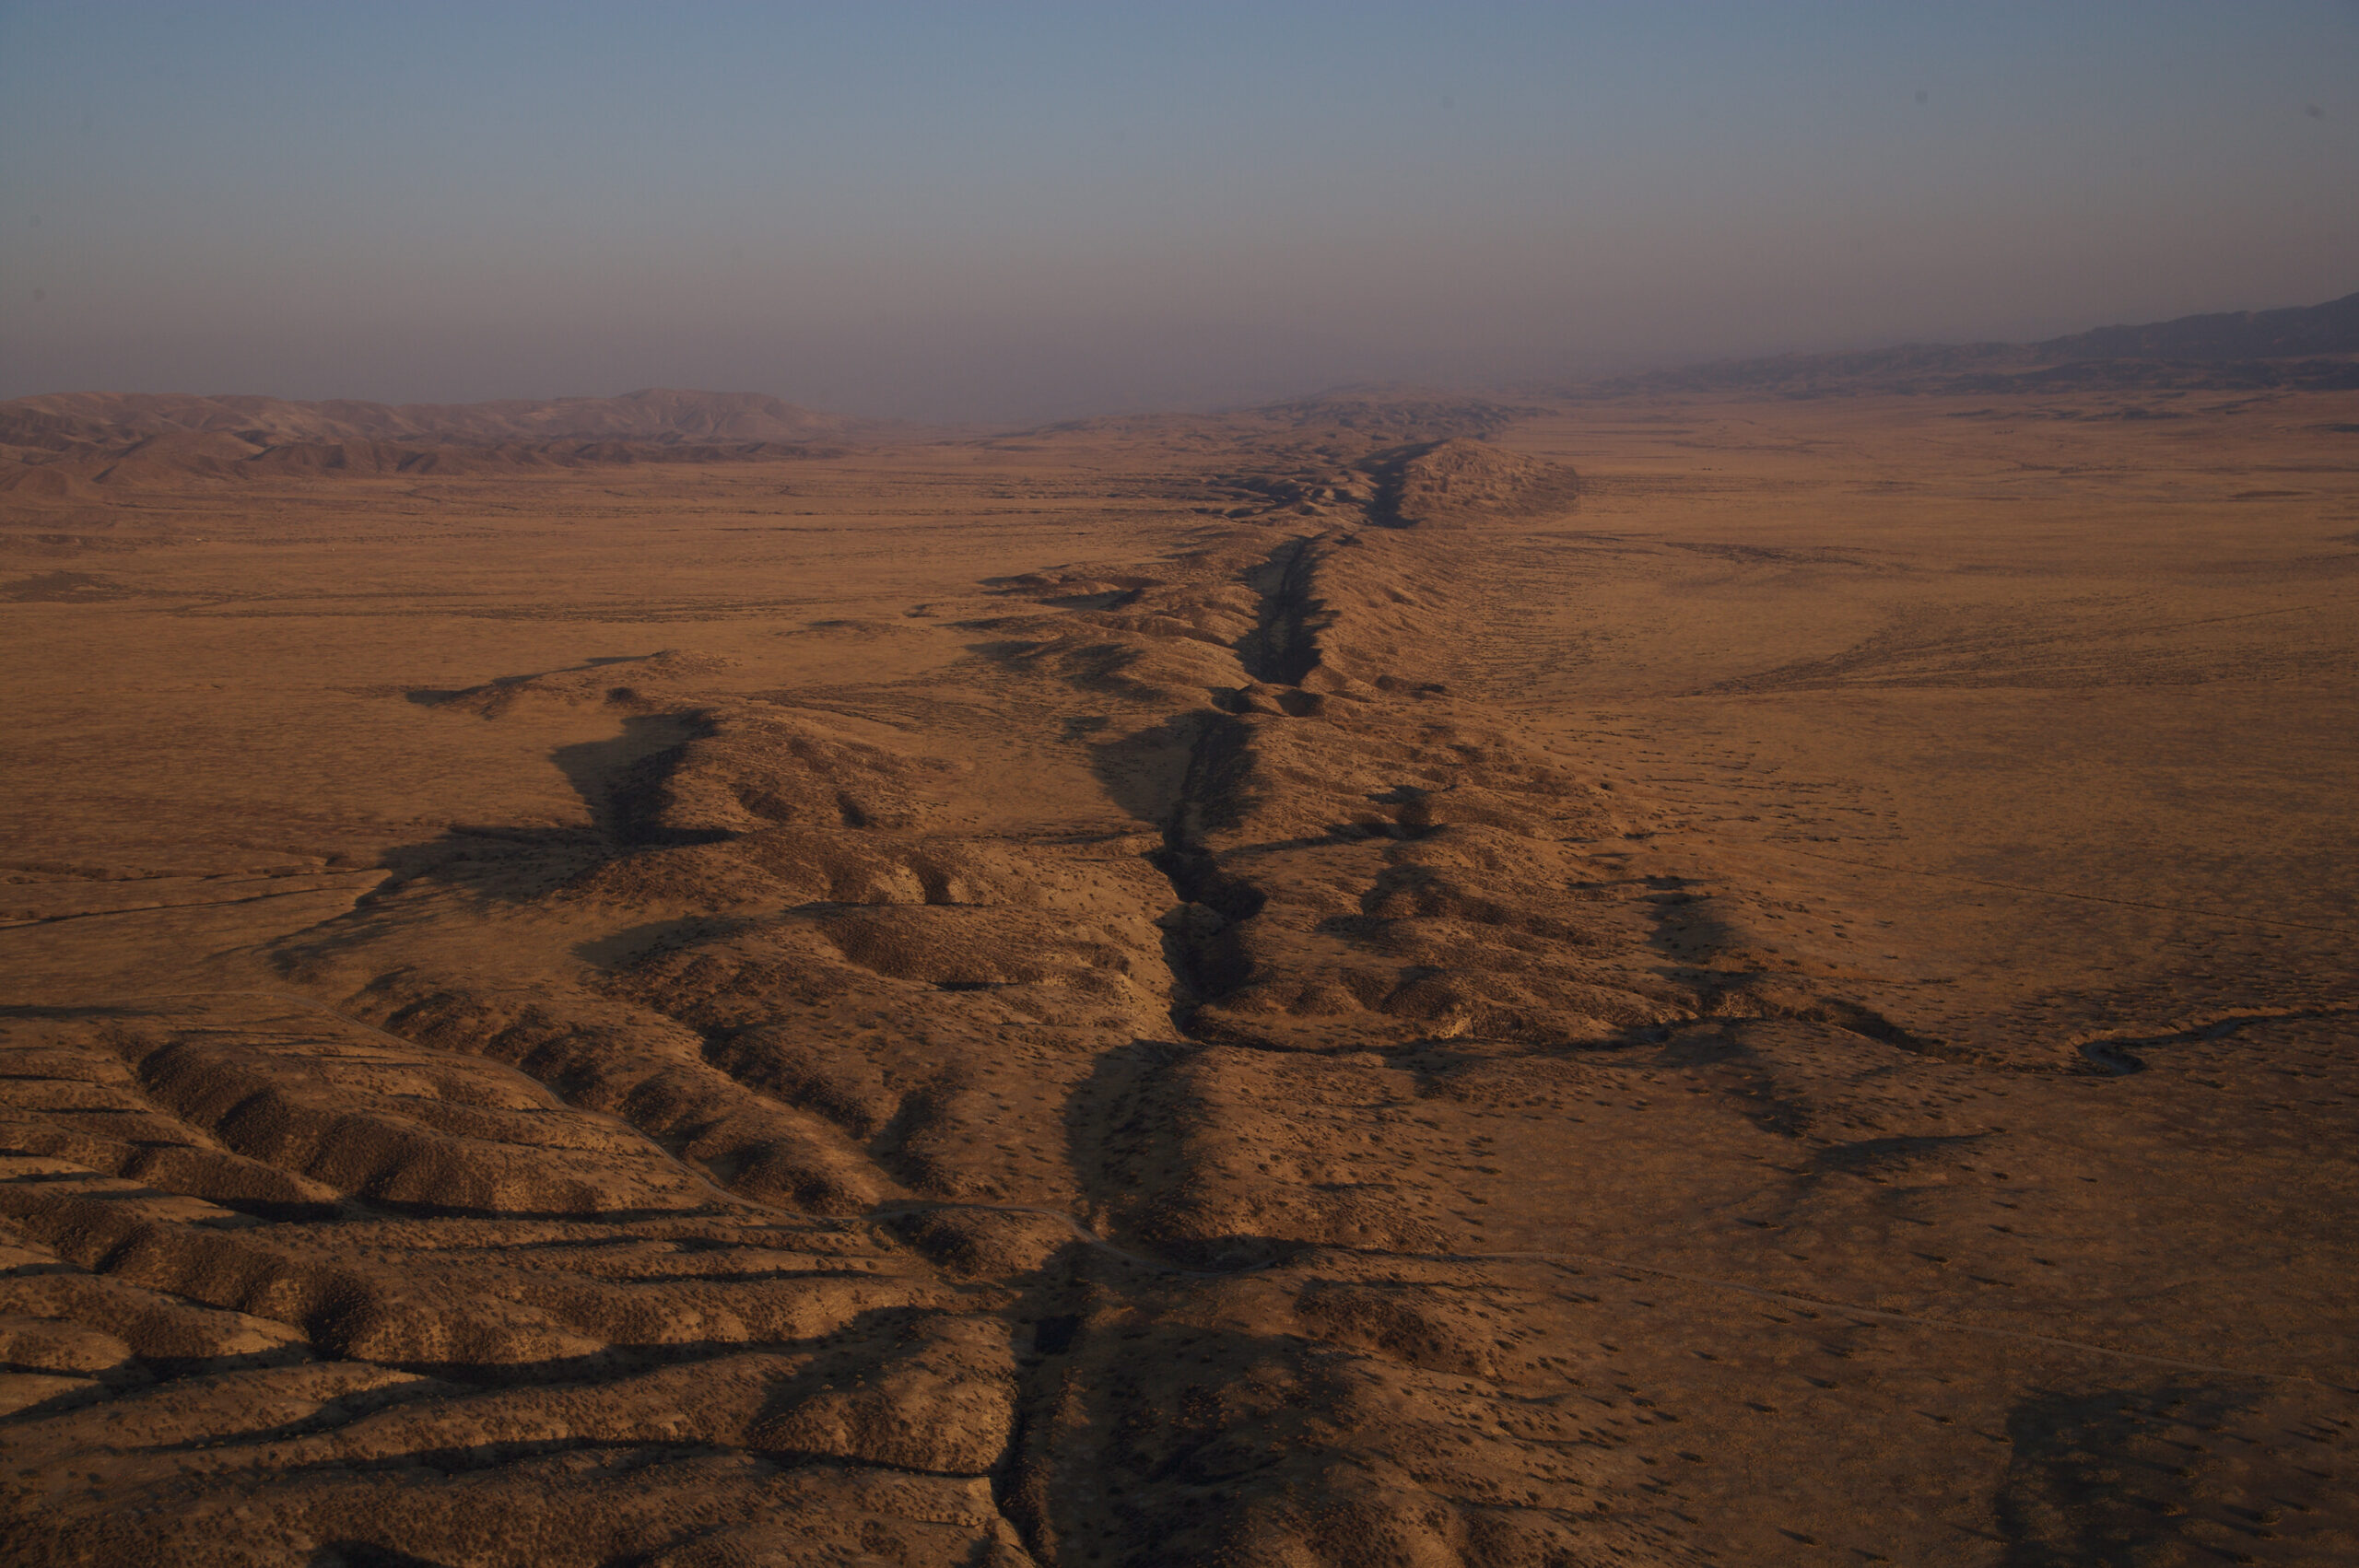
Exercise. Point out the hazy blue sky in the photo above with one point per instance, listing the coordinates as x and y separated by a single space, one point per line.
1015 211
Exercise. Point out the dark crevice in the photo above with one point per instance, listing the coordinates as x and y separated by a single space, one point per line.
1284 645
2115 1056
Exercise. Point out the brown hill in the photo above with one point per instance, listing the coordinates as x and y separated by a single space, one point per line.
46 482
175 454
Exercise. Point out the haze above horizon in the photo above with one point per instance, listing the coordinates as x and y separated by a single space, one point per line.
1040 211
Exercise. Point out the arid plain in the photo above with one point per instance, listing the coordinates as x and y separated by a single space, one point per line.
1655 979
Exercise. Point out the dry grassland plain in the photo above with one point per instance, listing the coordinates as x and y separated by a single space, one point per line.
1673 980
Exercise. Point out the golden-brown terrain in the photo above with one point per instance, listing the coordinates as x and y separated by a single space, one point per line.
1665 980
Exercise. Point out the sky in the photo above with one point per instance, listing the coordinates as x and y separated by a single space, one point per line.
1016 212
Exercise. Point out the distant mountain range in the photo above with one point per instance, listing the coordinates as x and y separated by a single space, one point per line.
68 444
61 420
71 448
2312 347
2296 332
